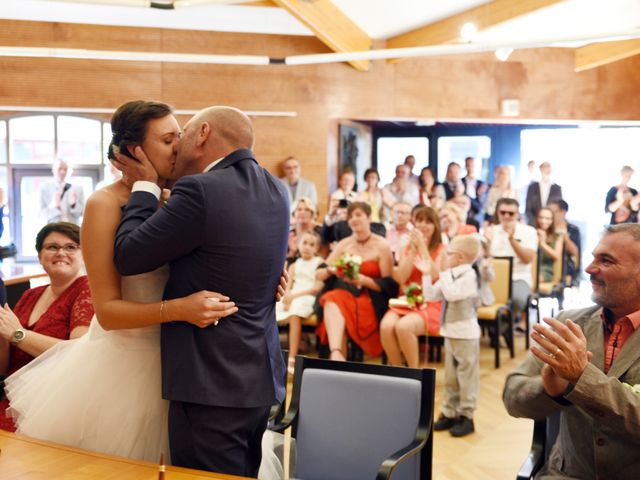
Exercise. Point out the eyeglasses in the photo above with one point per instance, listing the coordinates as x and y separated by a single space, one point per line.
507 212
54 248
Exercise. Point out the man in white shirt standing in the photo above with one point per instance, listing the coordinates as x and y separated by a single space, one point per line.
541 194
297 186
510 238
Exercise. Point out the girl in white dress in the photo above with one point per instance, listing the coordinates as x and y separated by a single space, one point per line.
298 300
102 392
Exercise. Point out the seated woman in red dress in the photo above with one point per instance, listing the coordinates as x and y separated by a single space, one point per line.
401 326
355 306
47 314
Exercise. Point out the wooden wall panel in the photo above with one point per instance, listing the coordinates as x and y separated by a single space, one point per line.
456 87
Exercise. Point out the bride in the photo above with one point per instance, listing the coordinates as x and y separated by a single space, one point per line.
102 392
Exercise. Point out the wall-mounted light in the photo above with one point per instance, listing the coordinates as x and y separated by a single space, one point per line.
503 54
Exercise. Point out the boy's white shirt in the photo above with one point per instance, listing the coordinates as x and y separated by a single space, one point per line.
457 283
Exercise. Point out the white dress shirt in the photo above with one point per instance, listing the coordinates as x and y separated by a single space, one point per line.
501 247
455 285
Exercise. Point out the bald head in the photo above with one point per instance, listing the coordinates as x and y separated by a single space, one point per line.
212 133
229 125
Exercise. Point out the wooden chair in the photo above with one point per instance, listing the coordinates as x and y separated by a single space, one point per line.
308 324
343 425
552 289
492 316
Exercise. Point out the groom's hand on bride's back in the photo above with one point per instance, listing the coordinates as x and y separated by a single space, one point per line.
136 166
282 286
203 308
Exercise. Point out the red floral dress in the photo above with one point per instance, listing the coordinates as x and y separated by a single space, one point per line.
358 312
70 310
431 312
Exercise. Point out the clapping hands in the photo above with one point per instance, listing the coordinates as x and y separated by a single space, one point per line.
563 349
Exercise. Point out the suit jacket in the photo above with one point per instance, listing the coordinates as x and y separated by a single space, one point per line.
534 202
224 231
305 188
599 434
476 201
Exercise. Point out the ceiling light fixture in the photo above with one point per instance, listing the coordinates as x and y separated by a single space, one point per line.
41 109
469 32
383 54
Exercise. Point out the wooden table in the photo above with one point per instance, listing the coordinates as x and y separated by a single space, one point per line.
23 458
17 278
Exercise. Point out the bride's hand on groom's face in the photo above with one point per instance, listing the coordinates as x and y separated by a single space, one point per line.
136 169
205 308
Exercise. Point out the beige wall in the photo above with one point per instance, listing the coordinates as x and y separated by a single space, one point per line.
456 87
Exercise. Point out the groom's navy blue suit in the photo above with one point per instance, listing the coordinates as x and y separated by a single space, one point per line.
225 231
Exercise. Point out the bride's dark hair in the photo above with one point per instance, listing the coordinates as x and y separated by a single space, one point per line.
129 124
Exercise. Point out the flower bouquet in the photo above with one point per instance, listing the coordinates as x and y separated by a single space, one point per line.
413 292
348 266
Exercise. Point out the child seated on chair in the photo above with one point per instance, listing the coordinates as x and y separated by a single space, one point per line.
300 295
458 286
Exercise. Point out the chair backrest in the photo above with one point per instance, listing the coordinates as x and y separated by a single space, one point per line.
535 268
353 416
501 284
558 268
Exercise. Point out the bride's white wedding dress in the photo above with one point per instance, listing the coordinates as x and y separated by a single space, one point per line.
102 392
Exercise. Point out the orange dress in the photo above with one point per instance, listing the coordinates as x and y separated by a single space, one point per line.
358 312
431 312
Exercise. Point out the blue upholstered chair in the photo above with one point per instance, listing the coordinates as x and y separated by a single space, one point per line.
360 421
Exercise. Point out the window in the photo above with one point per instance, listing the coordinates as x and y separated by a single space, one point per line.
456 149
393 150
585 162
32 139
31 144
79 140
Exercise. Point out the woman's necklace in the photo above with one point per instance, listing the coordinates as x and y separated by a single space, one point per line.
363 242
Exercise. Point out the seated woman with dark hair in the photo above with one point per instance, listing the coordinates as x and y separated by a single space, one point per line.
355 306
47 314
401 326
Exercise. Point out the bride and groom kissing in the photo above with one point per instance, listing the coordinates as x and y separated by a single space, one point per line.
223 229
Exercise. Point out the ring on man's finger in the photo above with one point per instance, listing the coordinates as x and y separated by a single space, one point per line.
557 352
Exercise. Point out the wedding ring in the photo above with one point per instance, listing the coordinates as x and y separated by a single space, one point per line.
557 352
215 323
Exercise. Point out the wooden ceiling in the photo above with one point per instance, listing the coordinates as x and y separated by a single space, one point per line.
344 33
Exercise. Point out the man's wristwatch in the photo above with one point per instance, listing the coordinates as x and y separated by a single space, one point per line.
18 336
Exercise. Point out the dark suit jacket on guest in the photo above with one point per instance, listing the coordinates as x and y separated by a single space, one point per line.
476 201
224 231
534 202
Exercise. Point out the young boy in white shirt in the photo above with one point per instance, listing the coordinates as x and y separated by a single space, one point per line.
458 286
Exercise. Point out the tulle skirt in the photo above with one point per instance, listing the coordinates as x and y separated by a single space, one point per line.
101 392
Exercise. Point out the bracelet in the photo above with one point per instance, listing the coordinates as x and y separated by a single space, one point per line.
163 312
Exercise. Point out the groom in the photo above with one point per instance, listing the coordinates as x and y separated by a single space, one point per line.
224 229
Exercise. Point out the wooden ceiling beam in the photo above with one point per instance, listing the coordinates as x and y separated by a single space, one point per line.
484 16
598 54
331 26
